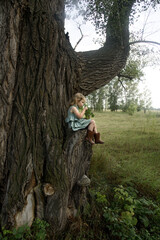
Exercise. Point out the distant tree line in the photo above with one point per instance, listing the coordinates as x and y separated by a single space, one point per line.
123 93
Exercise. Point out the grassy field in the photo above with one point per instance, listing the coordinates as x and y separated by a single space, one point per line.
131 153
123 200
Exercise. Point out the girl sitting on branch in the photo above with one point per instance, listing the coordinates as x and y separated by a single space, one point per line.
76 121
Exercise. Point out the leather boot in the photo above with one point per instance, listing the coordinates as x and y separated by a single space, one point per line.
97 138
90 136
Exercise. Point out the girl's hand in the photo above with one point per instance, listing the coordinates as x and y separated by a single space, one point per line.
85 108
77 113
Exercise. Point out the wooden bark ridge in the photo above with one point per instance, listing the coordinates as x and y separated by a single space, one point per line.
42 166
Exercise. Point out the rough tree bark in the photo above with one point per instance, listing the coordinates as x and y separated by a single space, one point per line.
40 163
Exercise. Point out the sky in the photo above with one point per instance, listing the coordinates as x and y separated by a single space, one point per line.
150 21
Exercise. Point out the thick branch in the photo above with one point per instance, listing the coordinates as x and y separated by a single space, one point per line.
101 66
117 26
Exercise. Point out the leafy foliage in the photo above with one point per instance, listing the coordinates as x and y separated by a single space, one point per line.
130 217
98 11
36 232
89 113
120 214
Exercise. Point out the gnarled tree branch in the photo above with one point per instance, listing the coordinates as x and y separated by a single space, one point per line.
101 66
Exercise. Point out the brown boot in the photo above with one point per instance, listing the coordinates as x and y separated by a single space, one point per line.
97 138
90 136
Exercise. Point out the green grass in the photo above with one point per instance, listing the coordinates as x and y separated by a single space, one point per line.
131 153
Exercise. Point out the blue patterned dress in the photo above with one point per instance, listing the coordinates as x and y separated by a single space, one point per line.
76 123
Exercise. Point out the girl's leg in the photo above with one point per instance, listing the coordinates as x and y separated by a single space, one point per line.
91 131
92 126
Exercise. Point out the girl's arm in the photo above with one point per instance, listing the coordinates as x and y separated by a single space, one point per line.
77 113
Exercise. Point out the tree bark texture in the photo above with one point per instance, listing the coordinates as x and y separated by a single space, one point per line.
41 163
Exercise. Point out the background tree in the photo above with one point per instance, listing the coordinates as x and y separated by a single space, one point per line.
92 99
145 102
114 94
96 100
122 90
40 164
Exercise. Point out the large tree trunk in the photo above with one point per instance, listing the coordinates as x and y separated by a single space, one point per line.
41 164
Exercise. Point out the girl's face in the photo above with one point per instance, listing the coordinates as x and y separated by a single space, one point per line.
81 103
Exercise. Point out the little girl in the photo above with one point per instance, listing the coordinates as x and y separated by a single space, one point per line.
76 121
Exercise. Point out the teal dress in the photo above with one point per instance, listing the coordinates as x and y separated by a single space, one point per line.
76 123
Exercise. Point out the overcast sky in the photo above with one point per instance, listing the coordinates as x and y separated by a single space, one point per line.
151 21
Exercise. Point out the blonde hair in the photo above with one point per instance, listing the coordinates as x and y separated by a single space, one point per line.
77 98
